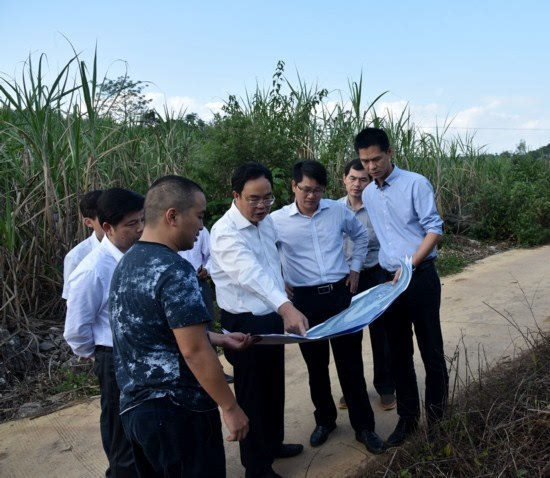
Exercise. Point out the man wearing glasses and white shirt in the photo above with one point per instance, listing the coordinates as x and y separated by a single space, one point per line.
250 291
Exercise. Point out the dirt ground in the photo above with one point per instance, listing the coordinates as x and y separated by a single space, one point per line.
485 309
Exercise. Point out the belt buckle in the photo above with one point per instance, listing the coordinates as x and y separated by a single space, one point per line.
324 289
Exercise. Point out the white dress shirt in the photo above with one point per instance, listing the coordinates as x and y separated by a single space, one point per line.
311 248
199 256
74 257
245 265
87 322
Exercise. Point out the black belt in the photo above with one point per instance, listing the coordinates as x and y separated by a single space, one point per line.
322 289
371 269
103 348
424 265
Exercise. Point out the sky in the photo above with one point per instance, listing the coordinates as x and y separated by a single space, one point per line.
481 67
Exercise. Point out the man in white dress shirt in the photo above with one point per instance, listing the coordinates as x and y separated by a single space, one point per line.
251 294
87 328
88 210
310 241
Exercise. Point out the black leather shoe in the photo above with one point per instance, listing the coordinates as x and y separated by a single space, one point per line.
288 450
371 440
267 473
404 429
320 434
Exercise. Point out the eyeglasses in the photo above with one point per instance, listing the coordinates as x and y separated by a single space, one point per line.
307 191
256 202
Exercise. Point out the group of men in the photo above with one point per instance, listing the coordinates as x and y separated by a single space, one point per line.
135 306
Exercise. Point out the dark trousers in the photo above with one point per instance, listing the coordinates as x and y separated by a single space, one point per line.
418 306
116 445
259 388
206 293
348 358
382 378
171 441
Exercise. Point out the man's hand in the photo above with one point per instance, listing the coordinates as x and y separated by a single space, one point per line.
396 276
352 281
295 322
237 341
202 273
236 422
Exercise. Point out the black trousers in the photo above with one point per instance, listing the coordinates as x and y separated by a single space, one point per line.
117 447
171 441
418 306
382 379
259 387
348 359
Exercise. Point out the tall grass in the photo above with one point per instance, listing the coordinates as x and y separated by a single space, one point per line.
58 140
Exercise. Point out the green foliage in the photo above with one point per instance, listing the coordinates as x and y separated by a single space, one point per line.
83 382
515 206
79 133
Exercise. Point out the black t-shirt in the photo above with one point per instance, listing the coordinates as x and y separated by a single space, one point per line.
154 290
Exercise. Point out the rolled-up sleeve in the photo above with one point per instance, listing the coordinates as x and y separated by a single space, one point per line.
426 208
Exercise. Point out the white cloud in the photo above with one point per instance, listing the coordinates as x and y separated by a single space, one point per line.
182 105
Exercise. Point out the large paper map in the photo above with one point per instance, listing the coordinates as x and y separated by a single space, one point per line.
364 308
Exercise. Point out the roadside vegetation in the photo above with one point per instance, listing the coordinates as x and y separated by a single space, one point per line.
498 422
82 131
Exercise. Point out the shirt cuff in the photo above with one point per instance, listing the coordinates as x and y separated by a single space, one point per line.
277 299
356 265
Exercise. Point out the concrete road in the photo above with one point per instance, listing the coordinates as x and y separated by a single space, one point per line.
479 309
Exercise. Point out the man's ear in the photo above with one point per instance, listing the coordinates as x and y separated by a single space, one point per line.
170 216
107 228
235 195
89 223
293 184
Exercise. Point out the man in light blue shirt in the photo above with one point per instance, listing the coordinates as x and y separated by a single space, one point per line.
401 206
310 241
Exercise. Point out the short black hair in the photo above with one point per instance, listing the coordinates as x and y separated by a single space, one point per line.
115 203
311 169
88 204
248 171
169 192
372 137
353 164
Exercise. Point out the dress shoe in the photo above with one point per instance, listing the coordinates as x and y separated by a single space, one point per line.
404 429
320 434
387 401
267 473
288 450
371 440
342 405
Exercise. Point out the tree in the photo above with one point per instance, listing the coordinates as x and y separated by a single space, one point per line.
123 100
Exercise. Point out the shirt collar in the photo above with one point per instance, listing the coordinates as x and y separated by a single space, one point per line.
112 249
95 241
345 201
237 217
391 178
293 209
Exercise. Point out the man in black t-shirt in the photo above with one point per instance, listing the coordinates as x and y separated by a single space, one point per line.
170 378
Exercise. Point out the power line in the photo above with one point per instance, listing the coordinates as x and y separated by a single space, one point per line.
488 128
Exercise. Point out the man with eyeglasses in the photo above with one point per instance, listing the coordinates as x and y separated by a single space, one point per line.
250 291
310 241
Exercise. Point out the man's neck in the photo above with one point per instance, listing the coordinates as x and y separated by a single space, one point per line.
356 203
153 235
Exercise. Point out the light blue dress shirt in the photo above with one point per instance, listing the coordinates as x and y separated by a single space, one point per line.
402 212
311 248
